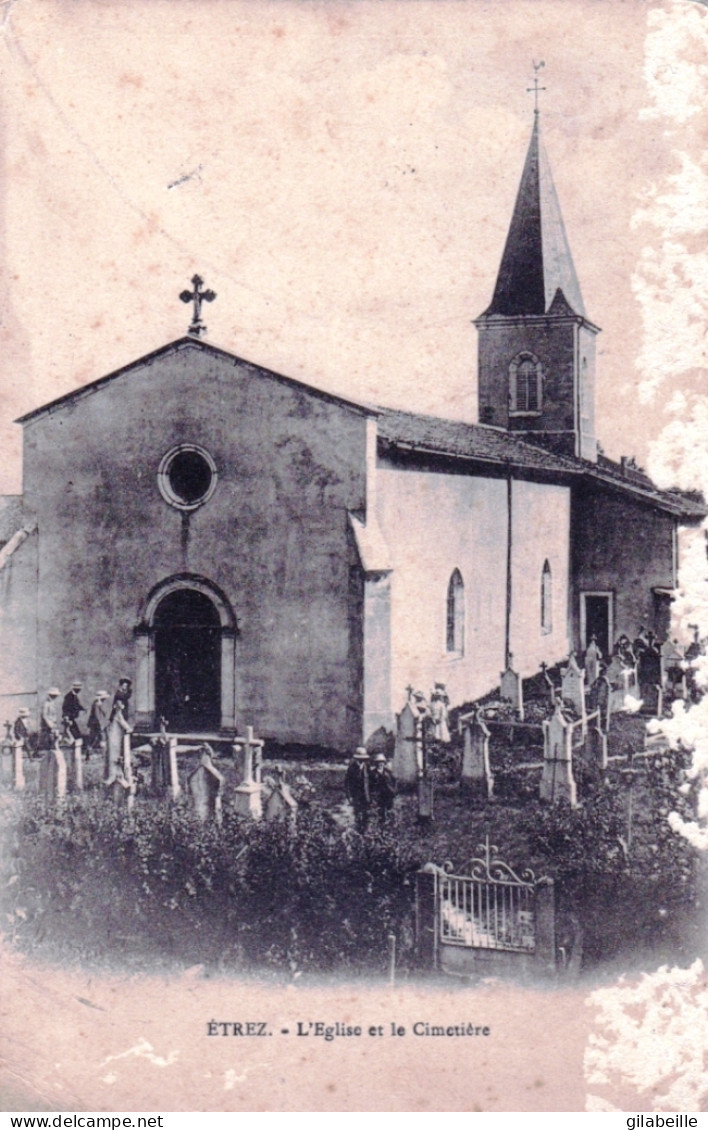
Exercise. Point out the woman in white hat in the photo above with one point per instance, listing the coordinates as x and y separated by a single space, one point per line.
97 724
49 720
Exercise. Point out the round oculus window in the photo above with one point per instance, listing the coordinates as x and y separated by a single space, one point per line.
187 476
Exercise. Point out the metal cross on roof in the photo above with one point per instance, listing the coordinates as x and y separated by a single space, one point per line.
197 296
536 88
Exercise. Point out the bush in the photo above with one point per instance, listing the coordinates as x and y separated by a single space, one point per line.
311 898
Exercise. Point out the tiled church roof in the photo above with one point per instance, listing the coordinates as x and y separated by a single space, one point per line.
434 436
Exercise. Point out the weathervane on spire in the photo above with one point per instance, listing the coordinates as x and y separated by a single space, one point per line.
197 296
535 88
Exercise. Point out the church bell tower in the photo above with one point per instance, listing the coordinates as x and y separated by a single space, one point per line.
536 372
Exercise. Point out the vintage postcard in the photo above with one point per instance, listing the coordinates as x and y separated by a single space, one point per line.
352 557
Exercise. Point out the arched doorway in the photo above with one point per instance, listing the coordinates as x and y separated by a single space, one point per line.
187 634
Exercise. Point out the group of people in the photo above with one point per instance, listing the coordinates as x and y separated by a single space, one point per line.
104 728
369 784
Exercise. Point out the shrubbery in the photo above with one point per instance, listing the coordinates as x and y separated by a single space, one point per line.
312 898
87 881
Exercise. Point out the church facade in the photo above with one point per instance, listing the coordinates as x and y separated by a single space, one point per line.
251 550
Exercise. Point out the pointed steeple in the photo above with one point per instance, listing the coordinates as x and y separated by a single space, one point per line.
537 262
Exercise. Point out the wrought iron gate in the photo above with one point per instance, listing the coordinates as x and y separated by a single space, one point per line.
490 908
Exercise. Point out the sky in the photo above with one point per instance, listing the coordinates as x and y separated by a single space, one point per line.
342 174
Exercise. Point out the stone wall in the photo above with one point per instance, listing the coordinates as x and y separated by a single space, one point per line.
562 346
624 547
273 536
435 523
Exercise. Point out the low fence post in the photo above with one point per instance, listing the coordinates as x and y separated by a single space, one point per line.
426 916
174 775
78 765
18 774
545 908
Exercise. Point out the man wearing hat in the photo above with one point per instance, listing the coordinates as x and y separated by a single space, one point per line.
49 720
70 711
382 786
97 724
356 786
21 729
122 695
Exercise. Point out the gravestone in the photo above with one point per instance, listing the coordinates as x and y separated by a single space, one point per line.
557 781
618 676
280 803
52 774
120 792
595 748
573 686
673 673
549 684
7 753
650 679
247 795
204 786
173 773
77 766
476 774
593 655
426 795
160 765
18 769
405 763
247 749
510 690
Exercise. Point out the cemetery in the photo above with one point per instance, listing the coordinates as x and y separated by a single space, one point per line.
528 836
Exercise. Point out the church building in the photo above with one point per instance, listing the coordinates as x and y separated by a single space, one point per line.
265 553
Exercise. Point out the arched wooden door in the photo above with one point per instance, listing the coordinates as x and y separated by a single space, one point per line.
188 661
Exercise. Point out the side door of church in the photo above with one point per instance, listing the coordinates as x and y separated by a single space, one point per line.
596 620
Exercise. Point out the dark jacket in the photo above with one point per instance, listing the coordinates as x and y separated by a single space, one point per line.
356 783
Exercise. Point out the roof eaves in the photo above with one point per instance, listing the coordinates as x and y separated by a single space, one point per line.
664 500
513 461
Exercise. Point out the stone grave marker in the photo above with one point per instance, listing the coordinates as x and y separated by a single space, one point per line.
593 655
405 762
121 793
595 748
18 769
247 795
426 801
52 774
573 686
280 802
510 690
204 786
618 676
173 772
77 766
476 774
649 673
673 674
557 781
7 753
159 765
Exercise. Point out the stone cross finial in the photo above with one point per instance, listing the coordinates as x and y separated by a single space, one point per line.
197 296
536 88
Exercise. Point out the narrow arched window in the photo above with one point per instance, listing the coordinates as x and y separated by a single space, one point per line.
455 636
525 385
546 599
